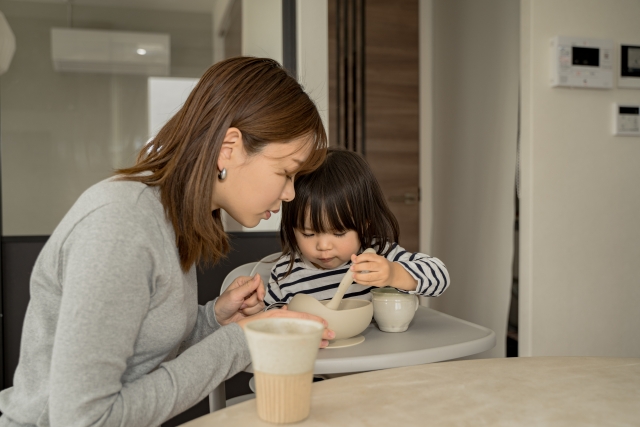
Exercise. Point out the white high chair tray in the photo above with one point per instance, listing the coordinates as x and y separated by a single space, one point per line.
432 337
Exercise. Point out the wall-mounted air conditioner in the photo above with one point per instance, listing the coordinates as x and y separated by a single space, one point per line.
97 51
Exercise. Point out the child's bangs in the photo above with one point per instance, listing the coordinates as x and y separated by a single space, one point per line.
325 216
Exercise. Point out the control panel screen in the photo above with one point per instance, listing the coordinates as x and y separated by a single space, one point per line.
585 56
633 59
630 61
629 110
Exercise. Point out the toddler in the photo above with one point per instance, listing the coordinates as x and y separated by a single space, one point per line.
338 212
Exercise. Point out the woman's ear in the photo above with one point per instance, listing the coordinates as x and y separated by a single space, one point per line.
232 148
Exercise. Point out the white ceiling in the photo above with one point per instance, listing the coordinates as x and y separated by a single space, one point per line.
182 5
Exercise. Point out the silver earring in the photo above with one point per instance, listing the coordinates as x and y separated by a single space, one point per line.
222 174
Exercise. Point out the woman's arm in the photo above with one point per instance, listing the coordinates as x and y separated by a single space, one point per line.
206 324
109 273
244 297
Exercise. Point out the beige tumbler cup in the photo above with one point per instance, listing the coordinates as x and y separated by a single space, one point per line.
283 353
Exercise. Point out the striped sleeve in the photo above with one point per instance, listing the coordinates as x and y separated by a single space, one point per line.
273 294
430 273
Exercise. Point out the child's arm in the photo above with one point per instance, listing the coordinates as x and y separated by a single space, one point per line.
273 294
414 272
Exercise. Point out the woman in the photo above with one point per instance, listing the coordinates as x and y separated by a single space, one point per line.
113 335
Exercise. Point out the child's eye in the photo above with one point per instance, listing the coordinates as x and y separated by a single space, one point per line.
340 234
307 234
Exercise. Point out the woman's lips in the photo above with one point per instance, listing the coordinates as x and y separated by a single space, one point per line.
267 214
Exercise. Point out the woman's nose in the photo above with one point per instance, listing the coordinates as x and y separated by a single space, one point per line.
289 192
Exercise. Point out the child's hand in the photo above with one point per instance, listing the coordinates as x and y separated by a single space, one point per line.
375 270
372 270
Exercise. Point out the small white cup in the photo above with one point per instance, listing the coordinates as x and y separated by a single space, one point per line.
393 310
283 353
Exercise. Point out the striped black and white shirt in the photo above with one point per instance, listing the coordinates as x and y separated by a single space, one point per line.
430 273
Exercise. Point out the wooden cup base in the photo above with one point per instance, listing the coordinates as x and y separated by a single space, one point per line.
283 399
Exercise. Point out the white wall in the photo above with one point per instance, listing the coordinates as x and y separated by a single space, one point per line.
313 53
579 226
262 36
262 28
426 126
218 16
471 106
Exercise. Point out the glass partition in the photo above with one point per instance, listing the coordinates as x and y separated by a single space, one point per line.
69 117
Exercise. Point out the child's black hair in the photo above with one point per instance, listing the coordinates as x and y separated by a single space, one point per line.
341 195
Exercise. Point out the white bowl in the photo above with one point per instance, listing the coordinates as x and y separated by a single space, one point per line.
352 317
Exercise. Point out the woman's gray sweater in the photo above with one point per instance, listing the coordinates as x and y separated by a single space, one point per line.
113 334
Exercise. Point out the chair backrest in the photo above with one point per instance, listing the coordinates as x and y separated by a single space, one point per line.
264 266
242 270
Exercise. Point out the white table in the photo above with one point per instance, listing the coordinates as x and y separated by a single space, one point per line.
526 391
432 337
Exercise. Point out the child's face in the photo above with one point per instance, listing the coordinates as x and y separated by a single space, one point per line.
327 250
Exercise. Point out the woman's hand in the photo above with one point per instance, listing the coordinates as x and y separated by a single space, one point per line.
327 334
242 298
375 270
242 302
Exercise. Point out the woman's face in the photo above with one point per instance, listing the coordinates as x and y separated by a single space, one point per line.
256 185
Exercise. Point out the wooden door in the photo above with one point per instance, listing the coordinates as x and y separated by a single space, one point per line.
374 97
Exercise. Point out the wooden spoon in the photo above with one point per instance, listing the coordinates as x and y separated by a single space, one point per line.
346 281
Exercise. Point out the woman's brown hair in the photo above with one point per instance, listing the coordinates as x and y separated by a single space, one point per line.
341 195
255 95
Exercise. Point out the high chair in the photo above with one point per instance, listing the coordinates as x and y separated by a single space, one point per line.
432 337
262 267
